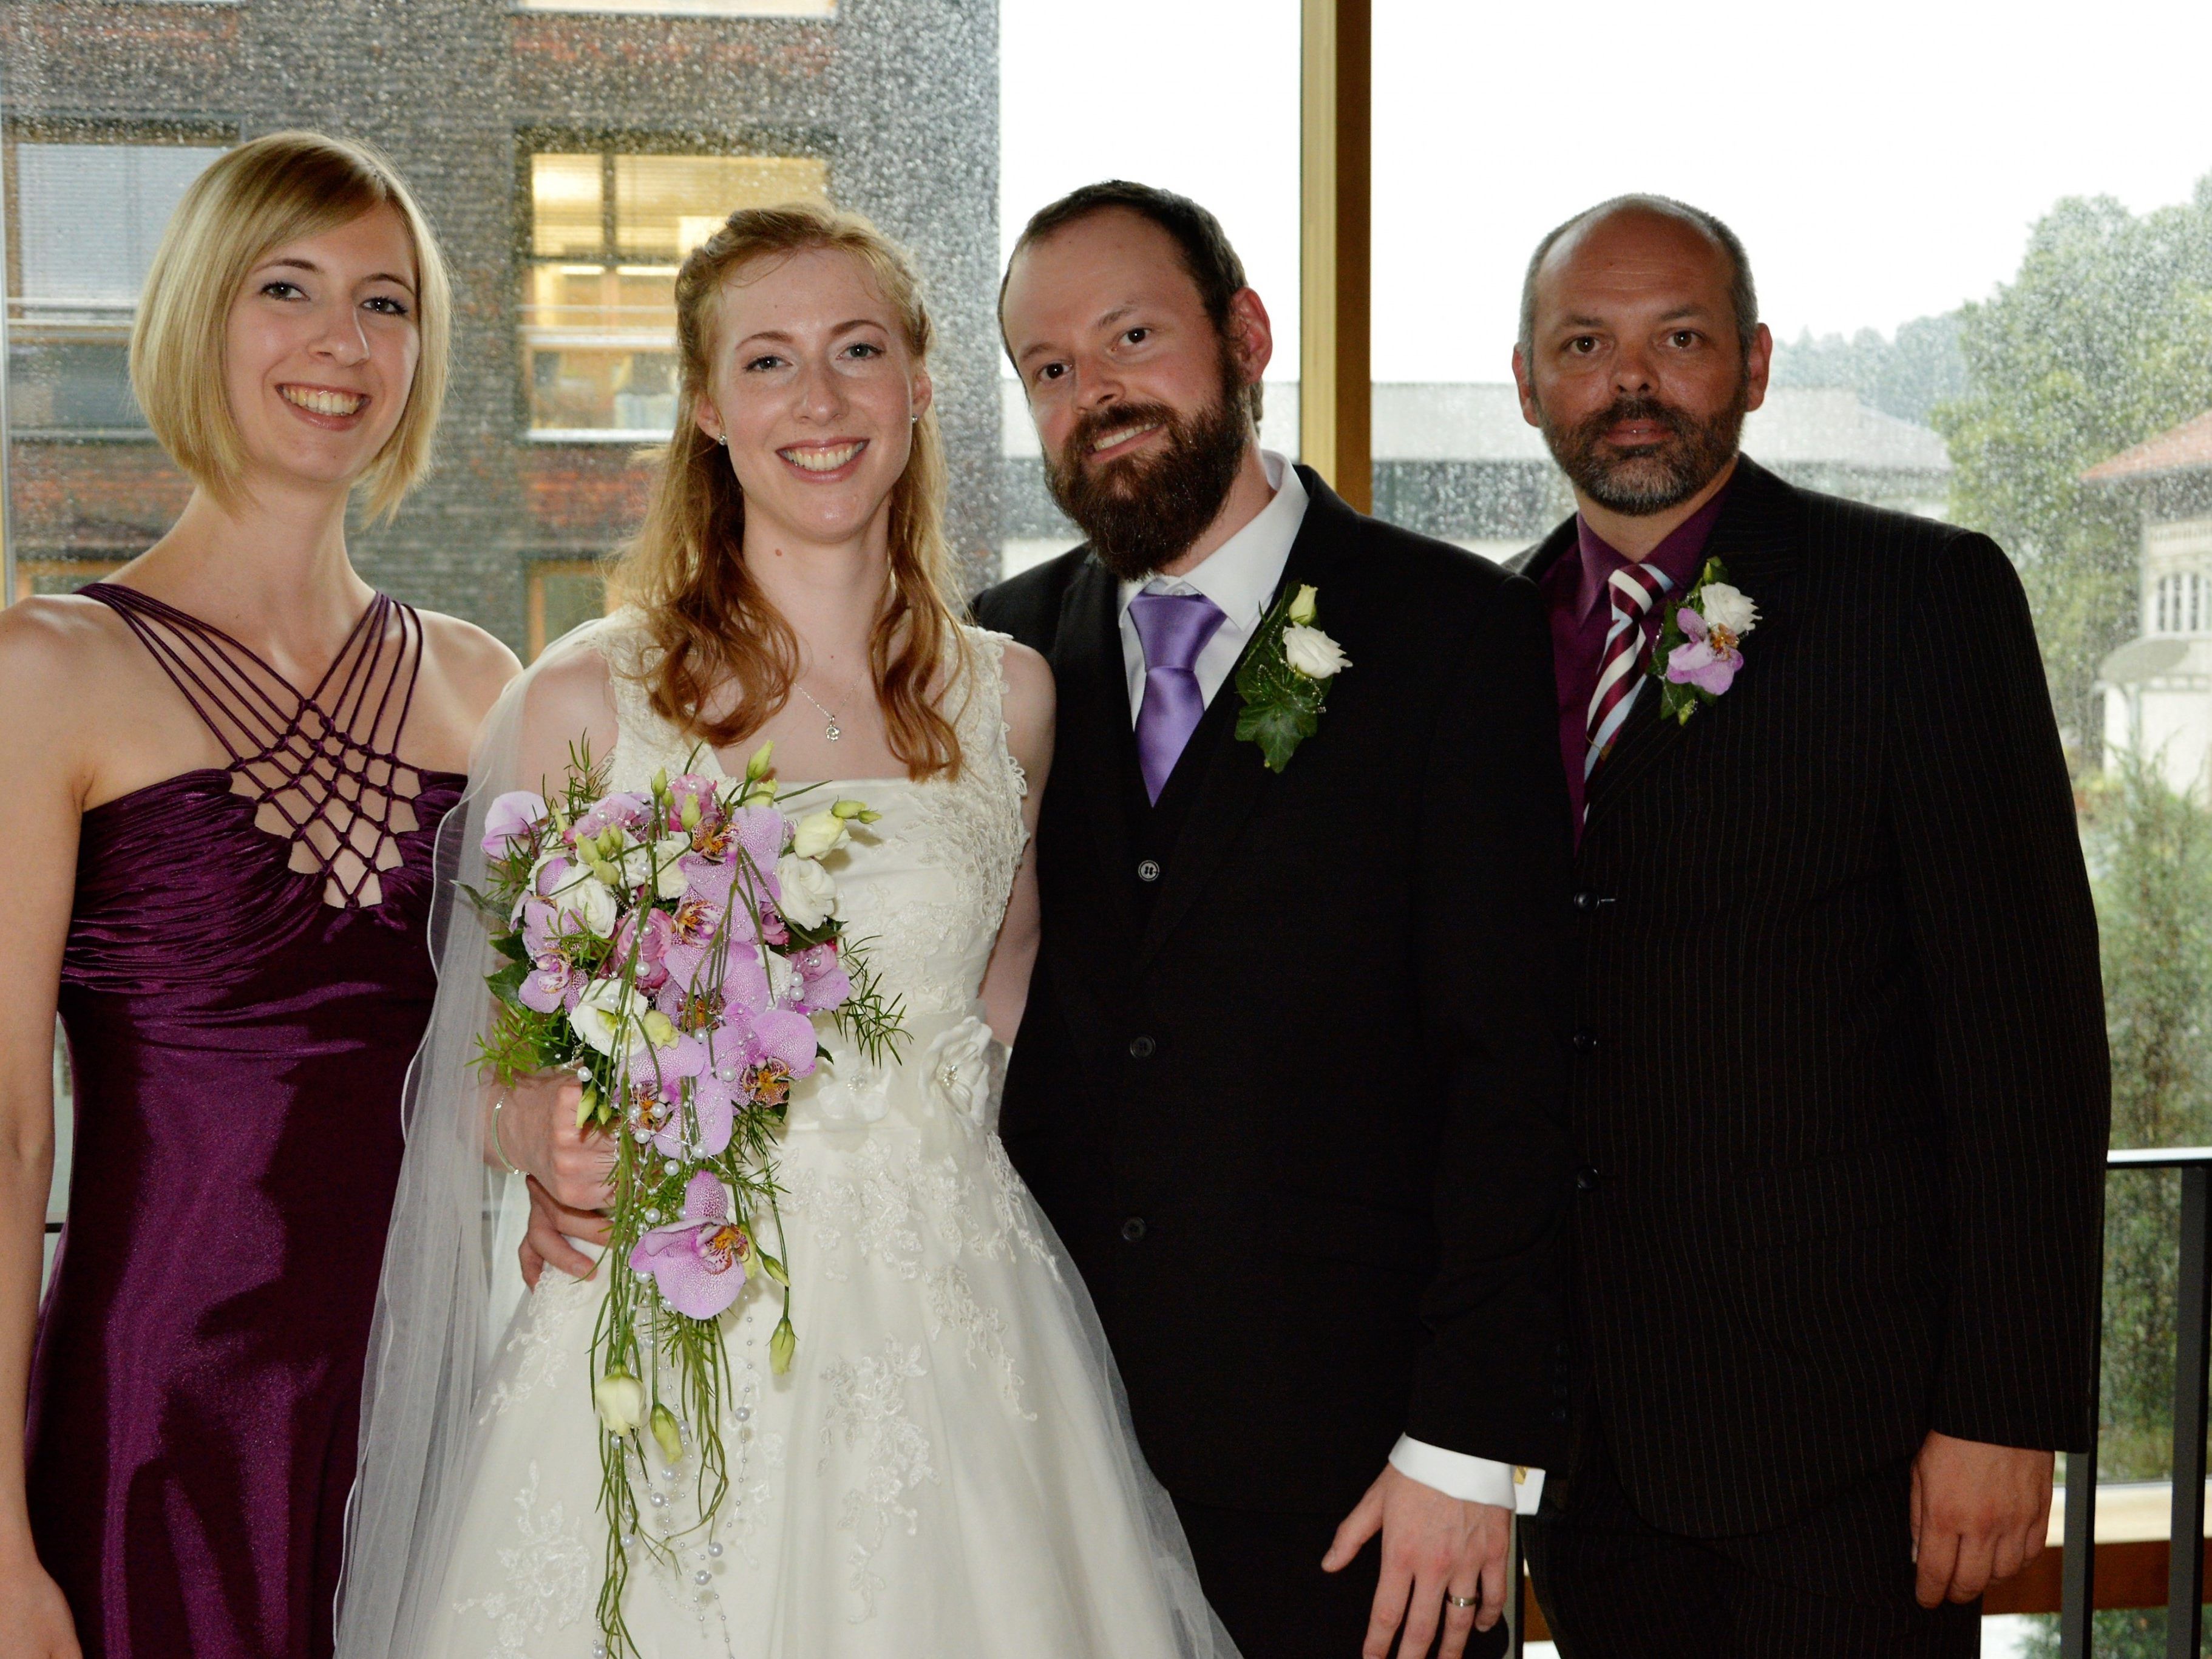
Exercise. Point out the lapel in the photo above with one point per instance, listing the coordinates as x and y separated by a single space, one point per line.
1759 537
1234 779
1536 563
1094 724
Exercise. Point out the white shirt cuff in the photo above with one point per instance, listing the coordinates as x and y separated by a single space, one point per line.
1471 1479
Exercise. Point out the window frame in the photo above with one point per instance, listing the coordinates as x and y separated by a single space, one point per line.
764 143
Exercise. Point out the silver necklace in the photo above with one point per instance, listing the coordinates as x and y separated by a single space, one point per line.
831 731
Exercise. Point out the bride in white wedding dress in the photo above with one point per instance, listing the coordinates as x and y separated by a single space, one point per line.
946 1470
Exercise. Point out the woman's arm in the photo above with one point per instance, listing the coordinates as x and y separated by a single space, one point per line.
41 741
1031 702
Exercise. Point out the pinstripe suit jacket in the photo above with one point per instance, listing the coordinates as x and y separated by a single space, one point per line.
1840 1086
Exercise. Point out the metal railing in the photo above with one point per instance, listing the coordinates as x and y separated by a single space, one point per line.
2193 1326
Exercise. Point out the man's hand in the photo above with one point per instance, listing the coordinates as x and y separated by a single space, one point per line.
1979 1514
552 1225
1431 1545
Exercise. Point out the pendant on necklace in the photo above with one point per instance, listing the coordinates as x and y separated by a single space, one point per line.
831 731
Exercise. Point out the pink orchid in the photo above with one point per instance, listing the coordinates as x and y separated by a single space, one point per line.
513 817
1708 660
699 1259
824 982
693 790
653 951
632 811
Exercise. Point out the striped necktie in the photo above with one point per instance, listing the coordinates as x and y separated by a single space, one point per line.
1621 672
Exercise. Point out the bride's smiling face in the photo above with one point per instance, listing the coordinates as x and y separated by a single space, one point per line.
815 391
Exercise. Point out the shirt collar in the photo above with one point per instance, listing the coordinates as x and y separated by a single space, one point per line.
1677 558
1241 574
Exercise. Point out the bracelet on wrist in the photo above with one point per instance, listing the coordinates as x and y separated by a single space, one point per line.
499 1106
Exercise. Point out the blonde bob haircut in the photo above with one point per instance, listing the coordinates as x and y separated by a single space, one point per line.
253 200
718 635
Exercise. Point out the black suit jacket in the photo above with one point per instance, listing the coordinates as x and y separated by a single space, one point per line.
1295 1105
1839 1076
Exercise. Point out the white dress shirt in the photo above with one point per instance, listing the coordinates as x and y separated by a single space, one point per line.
1241 577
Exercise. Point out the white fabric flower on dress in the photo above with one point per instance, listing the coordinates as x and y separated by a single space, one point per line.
957 1067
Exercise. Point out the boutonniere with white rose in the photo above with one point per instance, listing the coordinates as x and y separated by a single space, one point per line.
1697 655
1284 678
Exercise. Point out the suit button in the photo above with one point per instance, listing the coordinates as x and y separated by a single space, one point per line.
1586 1179
1142 1047
1559 1415
1584 1043
1134 1228
1149 870
1587 900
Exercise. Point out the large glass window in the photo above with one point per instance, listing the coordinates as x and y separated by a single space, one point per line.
607 231
1984 247
1232 146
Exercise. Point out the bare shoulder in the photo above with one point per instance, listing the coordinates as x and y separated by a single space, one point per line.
55 650
473 662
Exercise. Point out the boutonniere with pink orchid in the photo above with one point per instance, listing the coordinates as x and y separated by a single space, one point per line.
1699 653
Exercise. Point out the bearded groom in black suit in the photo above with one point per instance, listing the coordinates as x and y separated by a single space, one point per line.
1288 1084
1839 1086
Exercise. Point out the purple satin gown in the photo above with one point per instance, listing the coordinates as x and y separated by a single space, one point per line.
242 998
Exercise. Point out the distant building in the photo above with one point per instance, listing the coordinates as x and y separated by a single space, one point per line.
2159 684
568 155
1457 461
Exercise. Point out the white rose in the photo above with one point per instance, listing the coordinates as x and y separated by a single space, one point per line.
600 1014
816 834
1313 654
1301 603
809 895
582 898
670 883
620 1400
957 1070
1728 607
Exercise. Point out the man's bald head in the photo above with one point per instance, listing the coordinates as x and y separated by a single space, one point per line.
1743 296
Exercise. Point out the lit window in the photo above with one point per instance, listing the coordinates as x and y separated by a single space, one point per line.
607 234
564 594
83 224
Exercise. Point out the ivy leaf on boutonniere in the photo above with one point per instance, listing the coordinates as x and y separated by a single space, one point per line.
1697 657
1284 678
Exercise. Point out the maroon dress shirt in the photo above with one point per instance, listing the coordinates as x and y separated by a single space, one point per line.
1582 615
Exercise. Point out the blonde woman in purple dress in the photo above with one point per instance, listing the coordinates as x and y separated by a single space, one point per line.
226 767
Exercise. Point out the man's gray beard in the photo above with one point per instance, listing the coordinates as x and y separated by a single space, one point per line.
1659 476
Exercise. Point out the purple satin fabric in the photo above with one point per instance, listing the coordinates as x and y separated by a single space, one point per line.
1173 627
239 1050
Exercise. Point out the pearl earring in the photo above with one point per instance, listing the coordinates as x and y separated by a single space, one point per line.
723 438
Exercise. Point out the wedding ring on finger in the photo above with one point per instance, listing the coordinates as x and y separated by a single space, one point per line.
1463 1601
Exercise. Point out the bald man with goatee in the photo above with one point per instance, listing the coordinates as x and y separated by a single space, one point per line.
1838 1084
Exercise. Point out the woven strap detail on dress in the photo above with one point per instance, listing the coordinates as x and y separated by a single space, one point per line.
323 772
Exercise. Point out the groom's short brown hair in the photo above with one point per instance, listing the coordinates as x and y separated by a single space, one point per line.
1207 253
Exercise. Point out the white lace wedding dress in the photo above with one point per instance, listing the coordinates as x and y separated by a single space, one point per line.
946 1472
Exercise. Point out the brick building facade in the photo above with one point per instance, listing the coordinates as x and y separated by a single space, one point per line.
567 158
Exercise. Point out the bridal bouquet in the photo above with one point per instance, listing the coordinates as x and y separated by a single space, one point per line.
671 950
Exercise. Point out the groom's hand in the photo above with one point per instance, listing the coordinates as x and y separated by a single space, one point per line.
1432 1544
1979 1514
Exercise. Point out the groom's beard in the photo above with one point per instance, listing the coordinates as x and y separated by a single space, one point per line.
1143 511
1647 478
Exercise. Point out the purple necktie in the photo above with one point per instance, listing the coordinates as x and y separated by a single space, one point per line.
1174 628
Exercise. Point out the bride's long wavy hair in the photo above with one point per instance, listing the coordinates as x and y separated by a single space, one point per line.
685 567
